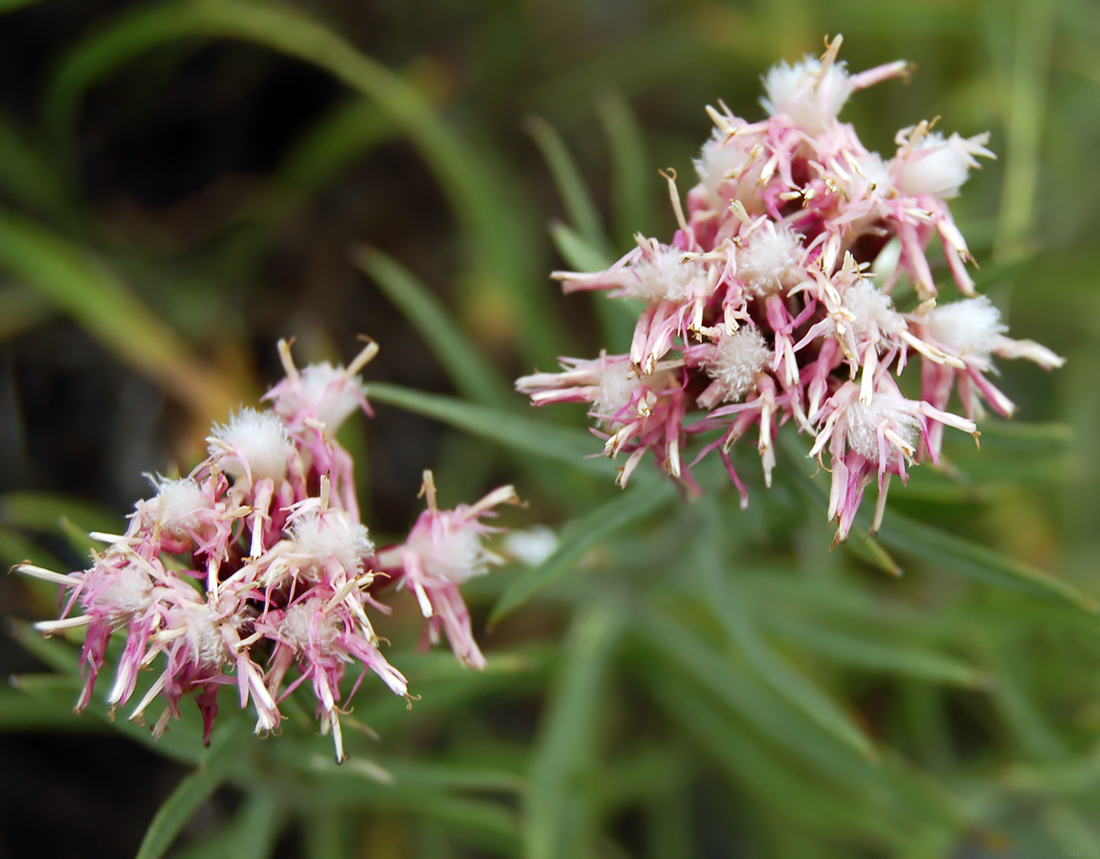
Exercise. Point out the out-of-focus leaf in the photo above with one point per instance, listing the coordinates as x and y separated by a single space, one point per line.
938 548
720 588
41 511
617 316
214 765
472 374
252 834
596 526
568 447
500 240
629 171
49 708
879 656
824 808
560 814
576 250
77 285
583 215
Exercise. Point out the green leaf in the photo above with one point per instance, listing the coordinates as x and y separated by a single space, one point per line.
41 511
629 167
577 252
820 807
617 316
472 374
582 212
94 297
720 587
560 815
938 548
880 656
525 435
214 766
604 521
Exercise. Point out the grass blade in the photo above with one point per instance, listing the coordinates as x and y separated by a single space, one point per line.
560 816
472 374
525 435
880 656
195 789
582 212
596 526
629 167
719 586
938 548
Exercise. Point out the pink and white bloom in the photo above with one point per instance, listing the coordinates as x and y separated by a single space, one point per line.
445 548
803 234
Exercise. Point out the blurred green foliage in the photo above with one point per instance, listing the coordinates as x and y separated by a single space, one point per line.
676 679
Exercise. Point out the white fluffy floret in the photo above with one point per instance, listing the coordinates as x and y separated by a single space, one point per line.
771 260
721 166
886 412
869 305
321 537
258 438
203 635
938 166
452 552
128 590
667 278
326 391
177 504
616 388
737 361
809 98
972 326
305 623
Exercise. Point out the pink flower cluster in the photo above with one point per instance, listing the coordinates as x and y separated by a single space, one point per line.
763 309
255 569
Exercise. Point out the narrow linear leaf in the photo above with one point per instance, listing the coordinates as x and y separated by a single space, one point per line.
569 447
617 316
746 695
630 174
938 548
213 769
822 808
596 526
866 548
93 296
879 656
729 607
559 815
577 251
472 374
42 511
581 210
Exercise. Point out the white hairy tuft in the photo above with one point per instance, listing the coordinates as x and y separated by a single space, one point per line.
258 438
802 93
972 326
771 260
737 361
